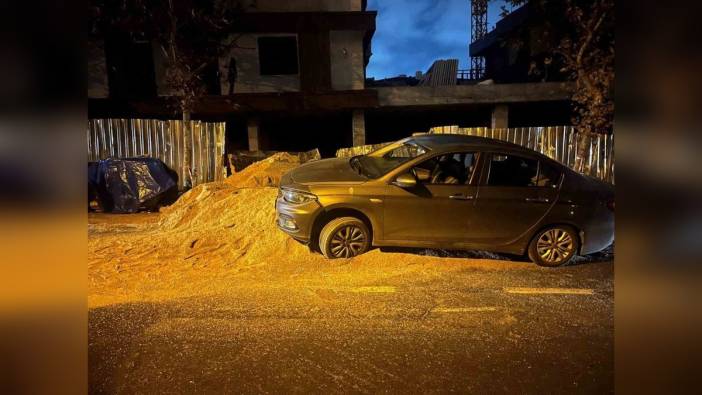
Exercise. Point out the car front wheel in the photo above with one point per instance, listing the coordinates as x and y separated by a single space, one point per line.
344 237
554 246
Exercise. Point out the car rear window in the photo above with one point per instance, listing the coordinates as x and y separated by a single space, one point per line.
512 171
549 175
517 171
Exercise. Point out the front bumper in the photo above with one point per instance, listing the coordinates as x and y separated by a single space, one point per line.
296 220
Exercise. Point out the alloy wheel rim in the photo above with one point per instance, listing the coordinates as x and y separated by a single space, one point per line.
347 242
555 245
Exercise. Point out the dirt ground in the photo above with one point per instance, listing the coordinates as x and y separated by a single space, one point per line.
208 296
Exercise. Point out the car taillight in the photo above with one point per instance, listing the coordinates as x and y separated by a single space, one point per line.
610 204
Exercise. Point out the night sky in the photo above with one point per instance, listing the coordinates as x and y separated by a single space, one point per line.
411 34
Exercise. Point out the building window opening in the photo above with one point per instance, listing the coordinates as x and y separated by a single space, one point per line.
277 55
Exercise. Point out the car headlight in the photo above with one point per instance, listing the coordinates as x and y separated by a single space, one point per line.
297 197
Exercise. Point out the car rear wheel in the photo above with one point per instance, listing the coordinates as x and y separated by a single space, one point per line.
344 237
554 246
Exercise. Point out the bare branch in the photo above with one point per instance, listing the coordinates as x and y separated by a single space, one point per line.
589 37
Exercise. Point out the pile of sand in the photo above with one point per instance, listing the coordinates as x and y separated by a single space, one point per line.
227 224
202 243
266 172
215 229
233 220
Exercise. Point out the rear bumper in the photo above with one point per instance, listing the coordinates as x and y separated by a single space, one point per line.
597 237
297 220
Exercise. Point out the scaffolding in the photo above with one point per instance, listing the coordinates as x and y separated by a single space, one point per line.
478 11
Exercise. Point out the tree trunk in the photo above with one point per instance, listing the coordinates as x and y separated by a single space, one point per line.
582 155
187 151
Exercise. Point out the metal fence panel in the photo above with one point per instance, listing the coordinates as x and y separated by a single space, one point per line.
128 138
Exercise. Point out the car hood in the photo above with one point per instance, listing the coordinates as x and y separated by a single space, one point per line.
328 171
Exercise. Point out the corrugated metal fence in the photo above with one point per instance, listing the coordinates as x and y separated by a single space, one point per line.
591 154
127 138
588 154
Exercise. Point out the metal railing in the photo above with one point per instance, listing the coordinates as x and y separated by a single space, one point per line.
470 74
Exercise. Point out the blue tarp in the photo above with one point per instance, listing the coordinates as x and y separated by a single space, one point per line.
131 184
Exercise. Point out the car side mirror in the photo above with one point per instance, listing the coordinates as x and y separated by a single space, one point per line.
405 180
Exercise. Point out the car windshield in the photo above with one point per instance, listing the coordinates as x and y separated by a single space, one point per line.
380 162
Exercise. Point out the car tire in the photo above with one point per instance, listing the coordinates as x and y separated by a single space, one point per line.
554 246
344 237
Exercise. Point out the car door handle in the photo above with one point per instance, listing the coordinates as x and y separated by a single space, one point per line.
461 197
537 200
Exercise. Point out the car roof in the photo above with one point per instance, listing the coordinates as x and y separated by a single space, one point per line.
448 141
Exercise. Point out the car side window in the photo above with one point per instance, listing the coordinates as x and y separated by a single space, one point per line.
512 171
549 176
453 168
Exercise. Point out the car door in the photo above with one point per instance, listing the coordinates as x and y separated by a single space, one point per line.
438 209
513 197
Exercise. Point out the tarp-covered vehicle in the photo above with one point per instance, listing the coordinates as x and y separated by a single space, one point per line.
132 184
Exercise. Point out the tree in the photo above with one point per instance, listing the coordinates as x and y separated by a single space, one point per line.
191 35
584 30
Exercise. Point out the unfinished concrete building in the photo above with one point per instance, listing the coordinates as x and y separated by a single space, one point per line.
299 77
296 81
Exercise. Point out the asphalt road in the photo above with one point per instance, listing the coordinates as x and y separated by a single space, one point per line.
500 327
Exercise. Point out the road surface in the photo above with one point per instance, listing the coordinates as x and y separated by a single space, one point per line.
405 324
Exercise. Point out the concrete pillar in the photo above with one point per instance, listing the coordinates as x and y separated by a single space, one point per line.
358 127
500 115
252 128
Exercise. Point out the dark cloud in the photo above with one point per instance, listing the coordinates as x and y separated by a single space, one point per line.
411 34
